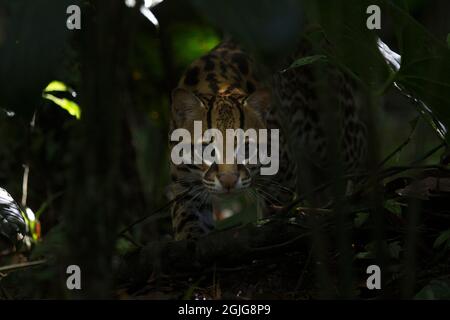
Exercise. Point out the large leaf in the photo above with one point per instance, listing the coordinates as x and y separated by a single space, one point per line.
425 67
353 45
425 64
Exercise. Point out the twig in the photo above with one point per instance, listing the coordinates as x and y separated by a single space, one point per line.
23 265
430 153
314 210
388 172
131 240
230 248
26 167
399 148
280 245
398 169
319 188
165 206
305 268
26 172
5 293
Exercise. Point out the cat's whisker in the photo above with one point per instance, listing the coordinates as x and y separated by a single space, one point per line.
269 197
274 183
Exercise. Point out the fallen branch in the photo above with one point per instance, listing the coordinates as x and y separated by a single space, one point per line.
226 248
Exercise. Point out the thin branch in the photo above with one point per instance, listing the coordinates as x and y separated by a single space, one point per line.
26 167
14 267
399 148
430 153
165 206
26 172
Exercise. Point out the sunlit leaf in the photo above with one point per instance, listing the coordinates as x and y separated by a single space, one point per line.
33 51
266 28
56 86
191 42
68 105
145 9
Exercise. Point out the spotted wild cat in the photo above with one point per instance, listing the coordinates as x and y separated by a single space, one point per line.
223 90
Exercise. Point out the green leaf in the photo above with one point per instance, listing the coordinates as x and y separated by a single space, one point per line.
360 219
436 289
394 207
35 46
305 61
68 105
443 237
448 40
64 103
364 255
369 253
425 68
424 74
191 42
56 86
124 246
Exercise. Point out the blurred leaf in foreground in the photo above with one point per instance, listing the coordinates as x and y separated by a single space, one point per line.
436 289
268 29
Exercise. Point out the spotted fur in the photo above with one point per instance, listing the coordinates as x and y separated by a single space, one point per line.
223 90
326 131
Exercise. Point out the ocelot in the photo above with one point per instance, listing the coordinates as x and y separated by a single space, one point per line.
224 90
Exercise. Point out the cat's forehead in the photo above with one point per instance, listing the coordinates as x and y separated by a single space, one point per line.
223 98
225 113
225 101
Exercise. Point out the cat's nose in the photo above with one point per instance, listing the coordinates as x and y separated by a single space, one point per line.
228 180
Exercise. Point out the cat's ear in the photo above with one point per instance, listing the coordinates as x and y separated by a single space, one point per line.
186 107
260 102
